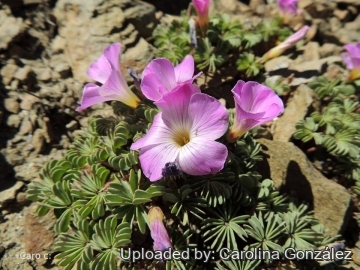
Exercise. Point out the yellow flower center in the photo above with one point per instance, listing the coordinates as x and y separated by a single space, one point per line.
182 137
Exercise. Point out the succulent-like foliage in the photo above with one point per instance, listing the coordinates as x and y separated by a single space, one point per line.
335 126
127 199
223 38
224 228
237 265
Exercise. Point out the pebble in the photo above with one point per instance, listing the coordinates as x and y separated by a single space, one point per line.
11 105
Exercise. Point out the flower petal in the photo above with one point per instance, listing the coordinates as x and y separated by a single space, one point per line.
157 229
353 49
210 118
91 96
164 70
152 87
112 54
175 106
153 159
116 88
158 133
202 157
100 70
185 70
201 6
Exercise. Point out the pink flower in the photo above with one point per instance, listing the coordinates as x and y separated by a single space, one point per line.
160 76
255 105
286 44
352 60
185 132
202 9
157 229
288 6
106 70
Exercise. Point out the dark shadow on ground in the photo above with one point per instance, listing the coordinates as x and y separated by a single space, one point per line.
7 173
170 6
296 185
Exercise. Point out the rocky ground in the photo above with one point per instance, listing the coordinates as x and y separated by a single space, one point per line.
46 47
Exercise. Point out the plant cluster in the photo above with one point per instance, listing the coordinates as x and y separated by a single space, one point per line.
101 200
333 128
177 153
332 131
223 43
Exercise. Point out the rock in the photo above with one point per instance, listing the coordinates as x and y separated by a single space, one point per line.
329 49
46 126
73 125
355 25
314 65
143 18
296 109
10 28
138 56
44 75
38 233
294 174
347 36
28 101
335 24
311 51
26 126
38 141
311 33
10 193
342 15
22 74
229 6
11 105
305 3
68 101
63 69
335 72
13 120
87 28
318 10
58 44
7 72
277 63
21 198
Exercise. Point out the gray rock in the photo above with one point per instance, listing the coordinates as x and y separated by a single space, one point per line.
294 174
295 110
